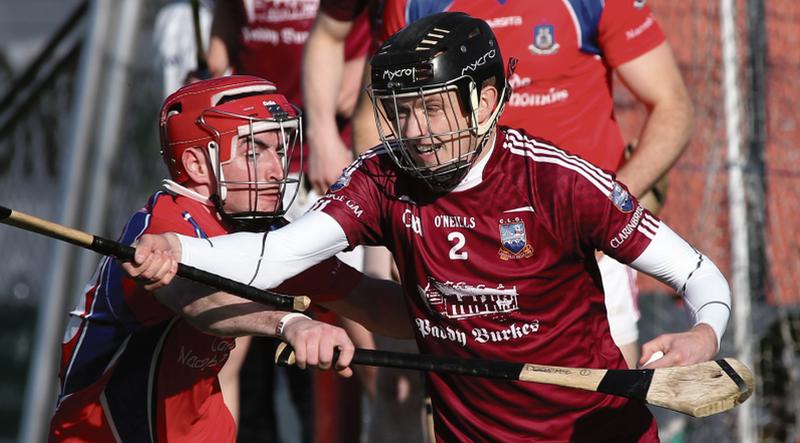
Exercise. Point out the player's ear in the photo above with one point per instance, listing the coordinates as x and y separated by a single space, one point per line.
487 101
196 166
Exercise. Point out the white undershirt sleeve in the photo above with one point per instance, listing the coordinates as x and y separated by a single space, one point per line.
265 260
670 259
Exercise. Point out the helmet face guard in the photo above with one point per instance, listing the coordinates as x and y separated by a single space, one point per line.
454 145
222 151
451 54
217 116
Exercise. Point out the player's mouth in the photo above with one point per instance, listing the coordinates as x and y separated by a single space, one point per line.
426 149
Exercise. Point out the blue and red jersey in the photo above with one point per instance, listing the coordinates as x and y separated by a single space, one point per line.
132 370
567 50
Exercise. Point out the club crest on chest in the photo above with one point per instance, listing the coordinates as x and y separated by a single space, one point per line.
544 40
513 240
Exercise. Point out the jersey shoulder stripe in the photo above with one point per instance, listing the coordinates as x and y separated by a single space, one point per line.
649 225
586 17
520 144
374 152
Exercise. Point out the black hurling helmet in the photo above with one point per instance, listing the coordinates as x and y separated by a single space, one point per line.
449 51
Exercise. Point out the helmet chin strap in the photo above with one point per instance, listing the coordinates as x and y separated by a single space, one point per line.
489 123
179 189
213 157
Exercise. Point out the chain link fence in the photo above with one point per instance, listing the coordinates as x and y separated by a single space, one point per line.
768 53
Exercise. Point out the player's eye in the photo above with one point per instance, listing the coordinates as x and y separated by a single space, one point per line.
433 106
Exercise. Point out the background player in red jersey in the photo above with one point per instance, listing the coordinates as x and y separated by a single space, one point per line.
396 396
494 233
266 38
139 365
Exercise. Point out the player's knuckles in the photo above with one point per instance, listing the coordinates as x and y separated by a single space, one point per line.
345 357
300 357
307 334
312 356
677 357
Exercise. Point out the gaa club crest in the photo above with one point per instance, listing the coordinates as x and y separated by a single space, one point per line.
513 240
621 198
544 40
340 182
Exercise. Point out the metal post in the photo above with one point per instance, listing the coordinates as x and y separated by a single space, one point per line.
742 338
109 130
39 394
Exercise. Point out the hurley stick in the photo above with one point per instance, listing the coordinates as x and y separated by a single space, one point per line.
125 253
697 390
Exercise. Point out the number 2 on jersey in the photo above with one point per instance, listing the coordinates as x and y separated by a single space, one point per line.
460 241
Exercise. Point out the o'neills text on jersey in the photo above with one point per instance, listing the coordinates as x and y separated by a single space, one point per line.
454 221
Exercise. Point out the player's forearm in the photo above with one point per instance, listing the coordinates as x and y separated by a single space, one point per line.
265 260
218 313
224 30
662 141
694 276
323 65
217 58
378 305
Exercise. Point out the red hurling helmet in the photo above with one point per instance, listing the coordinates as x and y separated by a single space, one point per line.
213 115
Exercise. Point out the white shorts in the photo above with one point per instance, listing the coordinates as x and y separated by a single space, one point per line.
619 283
302 203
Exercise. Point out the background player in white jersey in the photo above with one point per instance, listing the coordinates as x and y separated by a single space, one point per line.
494 233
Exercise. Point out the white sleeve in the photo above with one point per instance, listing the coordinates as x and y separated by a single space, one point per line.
694 276
265 260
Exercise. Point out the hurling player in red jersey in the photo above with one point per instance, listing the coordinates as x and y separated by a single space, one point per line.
141 365
494 233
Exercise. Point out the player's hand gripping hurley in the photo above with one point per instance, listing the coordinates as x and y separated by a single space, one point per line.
125 252
698 390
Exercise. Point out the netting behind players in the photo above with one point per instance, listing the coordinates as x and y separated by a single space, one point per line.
697 206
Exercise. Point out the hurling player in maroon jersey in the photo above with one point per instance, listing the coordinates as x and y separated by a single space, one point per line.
494 233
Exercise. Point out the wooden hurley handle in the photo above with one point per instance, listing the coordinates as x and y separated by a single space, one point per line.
697 390
124 252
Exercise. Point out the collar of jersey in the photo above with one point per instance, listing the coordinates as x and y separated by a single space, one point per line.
475 175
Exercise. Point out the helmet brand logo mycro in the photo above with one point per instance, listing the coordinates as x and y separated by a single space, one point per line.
404 72
490 54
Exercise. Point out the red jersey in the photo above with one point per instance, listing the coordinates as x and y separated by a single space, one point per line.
131 369
271 39
562 89
506 271
272 36
350 10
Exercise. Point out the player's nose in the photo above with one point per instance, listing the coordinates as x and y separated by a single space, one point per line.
273 169
416 126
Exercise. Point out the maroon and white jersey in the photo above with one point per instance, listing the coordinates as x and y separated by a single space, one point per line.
506 271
